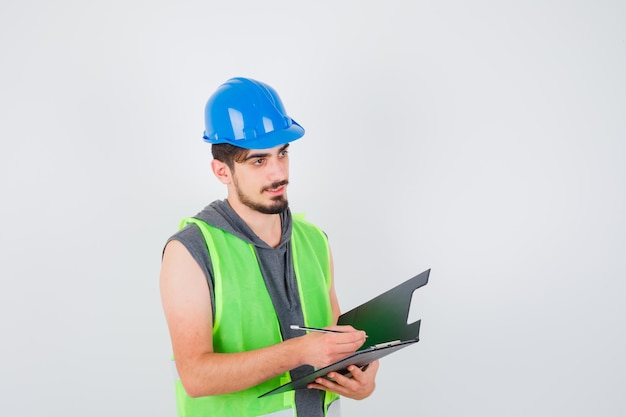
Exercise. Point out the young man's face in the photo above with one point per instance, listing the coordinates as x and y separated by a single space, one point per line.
260 181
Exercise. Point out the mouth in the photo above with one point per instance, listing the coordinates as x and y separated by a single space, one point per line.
276 188
276 191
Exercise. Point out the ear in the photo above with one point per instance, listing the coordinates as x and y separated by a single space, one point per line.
221 171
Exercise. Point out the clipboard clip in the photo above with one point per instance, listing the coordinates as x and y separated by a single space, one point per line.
386 344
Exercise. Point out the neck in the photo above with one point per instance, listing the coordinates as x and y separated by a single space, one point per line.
267 227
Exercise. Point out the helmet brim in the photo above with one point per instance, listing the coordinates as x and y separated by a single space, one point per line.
268 140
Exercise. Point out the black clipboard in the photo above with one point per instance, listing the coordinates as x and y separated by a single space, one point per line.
384 319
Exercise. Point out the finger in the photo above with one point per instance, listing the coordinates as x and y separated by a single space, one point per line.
323 384
364 373
343 328
372 368
347 329
357 372
348 348
344 383
327 385
356 337
342 386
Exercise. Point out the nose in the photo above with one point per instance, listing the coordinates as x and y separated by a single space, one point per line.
279 169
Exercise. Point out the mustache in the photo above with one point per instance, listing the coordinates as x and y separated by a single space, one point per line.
275 184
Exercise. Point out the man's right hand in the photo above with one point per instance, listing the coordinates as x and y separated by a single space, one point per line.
323 349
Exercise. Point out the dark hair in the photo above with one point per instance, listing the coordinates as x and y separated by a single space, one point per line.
229 154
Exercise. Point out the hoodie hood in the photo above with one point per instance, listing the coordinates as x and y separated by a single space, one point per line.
221 215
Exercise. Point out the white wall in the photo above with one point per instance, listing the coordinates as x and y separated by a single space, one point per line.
484 140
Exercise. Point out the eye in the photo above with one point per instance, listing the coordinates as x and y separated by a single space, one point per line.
259 161
283 153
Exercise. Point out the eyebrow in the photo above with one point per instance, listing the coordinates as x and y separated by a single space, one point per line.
265 154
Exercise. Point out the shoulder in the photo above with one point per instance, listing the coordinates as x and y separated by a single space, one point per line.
189 235
191 238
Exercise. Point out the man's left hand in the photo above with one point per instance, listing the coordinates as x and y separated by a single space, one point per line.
359 386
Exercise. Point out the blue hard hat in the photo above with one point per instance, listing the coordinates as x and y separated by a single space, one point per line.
248 114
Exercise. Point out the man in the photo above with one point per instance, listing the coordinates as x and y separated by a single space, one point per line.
238 274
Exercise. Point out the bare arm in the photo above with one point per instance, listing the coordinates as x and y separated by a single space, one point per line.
334 303
188 312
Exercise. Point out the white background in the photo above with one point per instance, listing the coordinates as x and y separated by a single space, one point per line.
482 139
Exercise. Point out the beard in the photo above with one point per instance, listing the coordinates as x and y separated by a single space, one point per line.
277 205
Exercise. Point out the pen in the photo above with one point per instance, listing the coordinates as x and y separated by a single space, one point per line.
314 329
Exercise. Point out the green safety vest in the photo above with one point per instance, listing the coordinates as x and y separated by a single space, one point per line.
245 318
